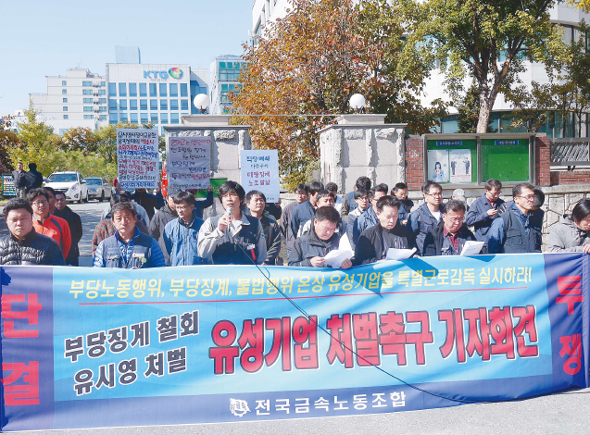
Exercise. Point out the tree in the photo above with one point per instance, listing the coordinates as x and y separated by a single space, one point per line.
8 140
81 139
488 40
305 67
534 106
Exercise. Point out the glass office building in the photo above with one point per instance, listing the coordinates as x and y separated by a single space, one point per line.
225 71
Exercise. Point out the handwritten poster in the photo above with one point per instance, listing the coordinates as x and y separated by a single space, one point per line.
260 171
189 162
137 158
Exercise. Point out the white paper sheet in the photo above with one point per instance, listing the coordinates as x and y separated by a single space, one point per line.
335 258
399 254
471 248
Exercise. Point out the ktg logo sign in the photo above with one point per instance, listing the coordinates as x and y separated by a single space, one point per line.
175 73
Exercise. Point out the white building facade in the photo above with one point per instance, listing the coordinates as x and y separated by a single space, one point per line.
223 77
77 99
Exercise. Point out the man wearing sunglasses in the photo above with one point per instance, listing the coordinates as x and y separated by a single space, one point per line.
517 232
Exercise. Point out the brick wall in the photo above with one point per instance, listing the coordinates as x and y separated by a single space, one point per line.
569 177
542 161
414 162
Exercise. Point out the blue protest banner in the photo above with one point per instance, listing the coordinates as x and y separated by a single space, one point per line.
93 347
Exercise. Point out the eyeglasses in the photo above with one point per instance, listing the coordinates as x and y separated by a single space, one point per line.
40 203
456 220
527 197
434 194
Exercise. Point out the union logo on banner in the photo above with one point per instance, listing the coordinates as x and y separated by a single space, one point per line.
238 407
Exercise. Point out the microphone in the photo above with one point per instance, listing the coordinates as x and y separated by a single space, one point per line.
228 211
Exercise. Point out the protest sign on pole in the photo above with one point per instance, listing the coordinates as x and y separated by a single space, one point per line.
137 158
260 171
189 162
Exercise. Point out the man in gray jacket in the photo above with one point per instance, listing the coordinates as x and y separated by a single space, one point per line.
572 232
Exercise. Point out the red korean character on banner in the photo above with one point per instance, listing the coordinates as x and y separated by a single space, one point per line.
571 346
526 323
392 337
224 334
422 337
252 357
341 340
570 289
501 331
366 339
478 340
25 393
455 336
281 342
305 331
31 314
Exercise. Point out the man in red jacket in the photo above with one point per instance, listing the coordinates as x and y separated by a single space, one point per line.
48 224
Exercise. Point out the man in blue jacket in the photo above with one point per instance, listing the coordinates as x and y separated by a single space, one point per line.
428 215
306 210
181 234
368 218
485 210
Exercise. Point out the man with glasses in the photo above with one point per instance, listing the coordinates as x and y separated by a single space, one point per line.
428 215
361 198
180 235
47 224
369 218
449 236
234 237
517 231
256 203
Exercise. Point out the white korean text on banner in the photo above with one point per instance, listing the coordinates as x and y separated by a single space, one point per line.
260 171
137 158
188 161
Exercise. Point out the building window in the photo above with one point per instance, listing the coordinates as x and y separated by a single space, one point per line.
143 104
112 89
174 89
122 89
103 117
102 92
66 117
64 91
86 91
163 89
88 116
134 118
133 89
85 83
153 104
154 118
65 108
65 100
183 90
183 104
112 104
123 117
122 104
174 118
163 104
133 104
164 118
102 83
143 89
87 100
102 109
144 118
173 104
88 109
113 119
102 101
64 83
153 90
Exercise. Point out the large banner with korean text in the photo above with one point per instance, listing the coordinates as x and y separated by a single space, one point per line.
88 347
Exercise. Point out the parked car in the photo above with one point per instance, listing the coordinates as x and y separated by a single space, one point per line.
71 183
98 188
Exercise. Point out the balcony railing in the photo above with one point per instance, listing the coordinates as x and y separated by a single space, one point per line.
570 152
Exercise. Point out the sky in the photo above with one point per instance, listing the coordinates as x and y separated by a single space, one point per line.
45 38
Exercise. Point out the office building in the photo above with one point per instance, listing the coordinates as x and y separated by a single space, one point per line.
224 73
77 99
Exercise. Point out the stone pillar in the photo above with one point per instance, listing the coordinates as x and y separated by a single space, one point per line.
362 145
227 141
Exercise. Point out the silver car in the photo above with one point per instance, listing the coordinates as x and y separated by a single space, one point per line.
98 188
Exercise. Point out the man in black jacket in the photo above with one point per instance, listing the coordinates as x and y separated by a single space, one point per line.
256 203
19 177
159 221
75 222
34 177
450 235
24 245
310 250
375 241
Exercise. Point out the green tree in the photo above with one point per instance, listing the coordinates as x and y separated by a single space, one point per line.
82 139
534 106
8 140
489 41
305 67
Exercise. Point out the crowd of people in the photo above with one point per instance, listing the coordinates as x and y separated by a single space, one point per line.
135 233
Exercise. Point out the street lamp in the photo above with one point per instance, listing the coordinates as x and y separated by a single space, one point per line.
357 103
202 102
